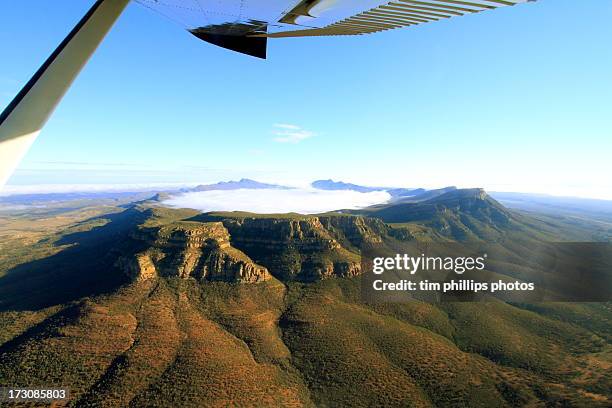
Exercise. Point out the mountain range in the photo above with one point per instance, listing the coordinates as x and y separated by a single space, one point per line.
143 305
340 185
537 203
244 183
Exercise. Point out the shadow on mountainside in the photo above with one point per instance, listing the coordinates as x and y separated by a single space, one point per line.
84 268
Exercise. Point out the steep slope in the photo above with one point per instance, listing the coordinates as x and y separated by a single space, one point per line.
189 249
188 329
465 214
418 355
304 248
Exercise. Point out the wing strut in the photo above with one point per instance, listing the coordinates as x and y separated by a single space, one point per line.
24 117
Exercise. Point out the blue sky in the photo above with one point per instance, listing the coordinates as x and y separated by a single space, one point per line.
517 99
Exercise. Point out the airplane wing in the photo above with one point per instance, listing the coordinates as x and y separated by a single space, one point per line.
240 25
245 25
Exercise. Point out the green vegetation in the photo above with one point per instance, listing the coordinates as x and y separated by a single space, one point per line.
69 316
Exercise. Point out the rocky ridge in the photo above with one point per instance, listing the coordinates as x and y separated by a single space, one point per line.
190 249
307 248
250 249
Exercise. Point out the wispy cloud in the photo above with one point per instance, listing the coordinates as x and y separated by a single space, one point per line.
286 133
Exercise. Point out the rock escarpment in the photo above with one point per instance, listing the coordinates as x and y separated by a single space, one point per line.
190 249
306 248
356 231
250 248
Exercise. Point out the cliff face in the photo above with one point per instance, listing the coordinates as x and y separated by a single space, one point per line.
243 248
306 248
357 231
190 249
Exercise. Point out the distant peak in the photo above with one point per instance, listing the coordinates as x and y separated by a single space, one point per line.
330 184
477 193
235 185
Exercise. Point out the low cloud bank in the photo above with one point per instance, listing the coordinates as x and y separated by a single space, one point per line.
269 201
10 190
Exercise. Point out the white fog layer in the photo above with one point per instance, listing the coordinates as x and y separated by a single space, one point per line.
269 201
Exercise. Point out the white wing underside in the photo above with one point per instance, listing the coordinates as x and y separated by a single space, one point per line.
240 25
302 18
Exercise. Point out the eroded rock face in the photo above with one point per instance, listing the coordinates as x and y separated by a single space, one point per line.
139 267
305 234
307 248
190 249
249 249
359 231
